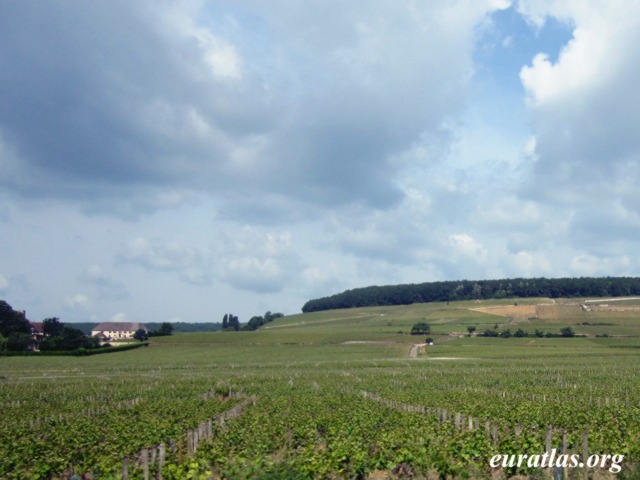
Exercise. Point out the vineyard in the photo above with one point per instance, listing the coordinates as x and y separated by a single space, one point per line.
328 395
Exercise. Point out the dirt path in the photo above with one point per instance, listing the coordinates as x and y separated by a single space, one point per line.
413 353
316 322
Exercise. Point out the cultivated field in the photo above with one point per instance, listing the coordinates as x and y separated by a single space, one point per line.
333 395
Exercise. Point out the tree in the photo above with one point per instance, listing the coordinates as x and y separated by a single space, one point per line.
12 321
421 328
506 333
19 342
567 332
270 317
52 327
255 322
225 321
166 329
520 333
471 329
141 335
234 322
68 339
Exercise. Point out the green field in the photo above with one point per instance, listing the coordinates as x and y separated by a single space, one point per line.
301 383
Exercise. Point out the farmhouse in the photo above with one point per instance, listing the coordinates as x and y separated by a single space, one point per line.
37 333
110 331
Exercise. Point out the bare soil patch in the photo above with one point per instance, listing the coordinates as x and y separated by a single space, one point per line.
525 311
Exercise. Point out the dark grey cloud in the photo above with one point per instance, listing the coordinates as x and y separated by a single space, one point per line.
100 95
237 101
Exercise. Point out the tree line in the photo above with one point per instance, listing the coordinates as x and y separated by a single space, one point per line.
447 291
230 322
16 333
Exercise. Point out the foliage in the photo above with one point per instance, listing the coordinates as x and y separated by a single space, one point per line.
141 335
52 327
19 341
480 289
165 330
68 339
421 328
505 333
12 321
257 321
230 322
520 333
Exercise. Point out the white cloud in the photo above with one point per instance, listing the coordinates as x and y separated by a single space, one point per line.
119 317
465 245
591 265
531 264
78 302
584 108
4 284
259 261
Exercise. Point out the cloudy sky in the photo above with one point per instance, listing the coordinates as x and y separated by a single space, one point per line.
166 161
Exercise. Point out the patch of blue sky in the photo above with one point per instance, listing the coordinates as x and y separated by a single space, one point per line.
510 42
507 43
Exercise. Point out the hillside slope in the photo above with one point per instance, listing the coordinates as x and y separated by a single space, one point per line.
477 290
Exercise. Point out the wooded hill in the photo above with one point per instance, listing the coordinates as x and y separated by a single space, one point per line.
476 290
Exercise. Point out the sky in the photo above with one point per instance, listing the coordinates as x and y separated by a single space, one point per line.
179 160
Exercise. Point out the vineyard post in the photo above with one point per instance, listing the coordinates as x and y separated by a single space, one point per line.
161 454
125 467
585 453
189 443
547 443
144 453
154 454
565 473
